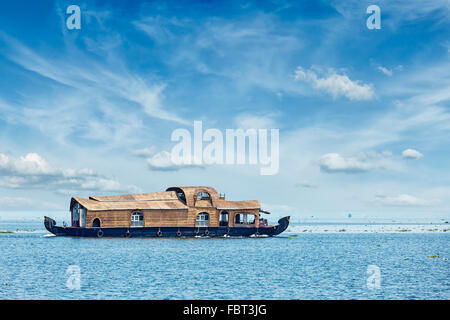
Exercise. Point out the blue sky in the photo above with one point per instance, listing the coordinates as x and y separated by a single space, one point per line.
363 114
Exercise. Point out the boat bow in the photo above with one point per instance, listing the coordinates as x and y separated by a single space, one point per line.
49 224
282 225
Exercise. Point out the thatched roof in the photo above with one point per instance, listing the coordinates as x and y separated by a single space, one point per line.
167 200
166 195
236 205
94 205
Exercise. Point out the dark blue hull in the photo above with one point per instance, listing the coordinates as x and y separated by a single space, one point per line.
126 232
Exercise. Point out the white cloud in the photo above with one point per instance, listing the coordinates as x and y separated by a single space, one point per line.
162 161
335 84
33 171
334 162
404 200
31 164
411 154
250 121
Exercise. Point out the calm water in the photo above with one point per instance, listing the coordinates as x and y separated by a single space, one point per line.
307 266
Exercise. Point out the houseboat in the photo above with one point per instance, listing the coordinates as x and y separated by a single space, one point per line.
176 212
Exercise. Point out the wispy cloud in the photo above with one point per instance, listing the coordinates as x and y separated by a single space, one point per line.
389 72
144 152
399 14
160 28
255 121
252 51
386 71
406 200
109 78
305 184
20 203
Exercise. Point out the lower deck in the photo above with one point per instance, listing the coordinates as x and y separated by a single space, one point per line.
128 232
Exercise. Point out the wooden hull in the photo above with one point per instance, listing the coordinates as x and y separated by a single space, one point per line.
126 232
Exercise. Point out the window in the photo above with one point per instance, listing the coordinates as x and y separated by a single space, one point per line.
75 216
244 218
180 193
82 217
223 219
202 220
203 196
137 219
75 212
181 196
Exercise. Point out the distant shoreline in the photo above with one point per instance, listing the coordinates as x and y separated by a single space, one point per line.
368 228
